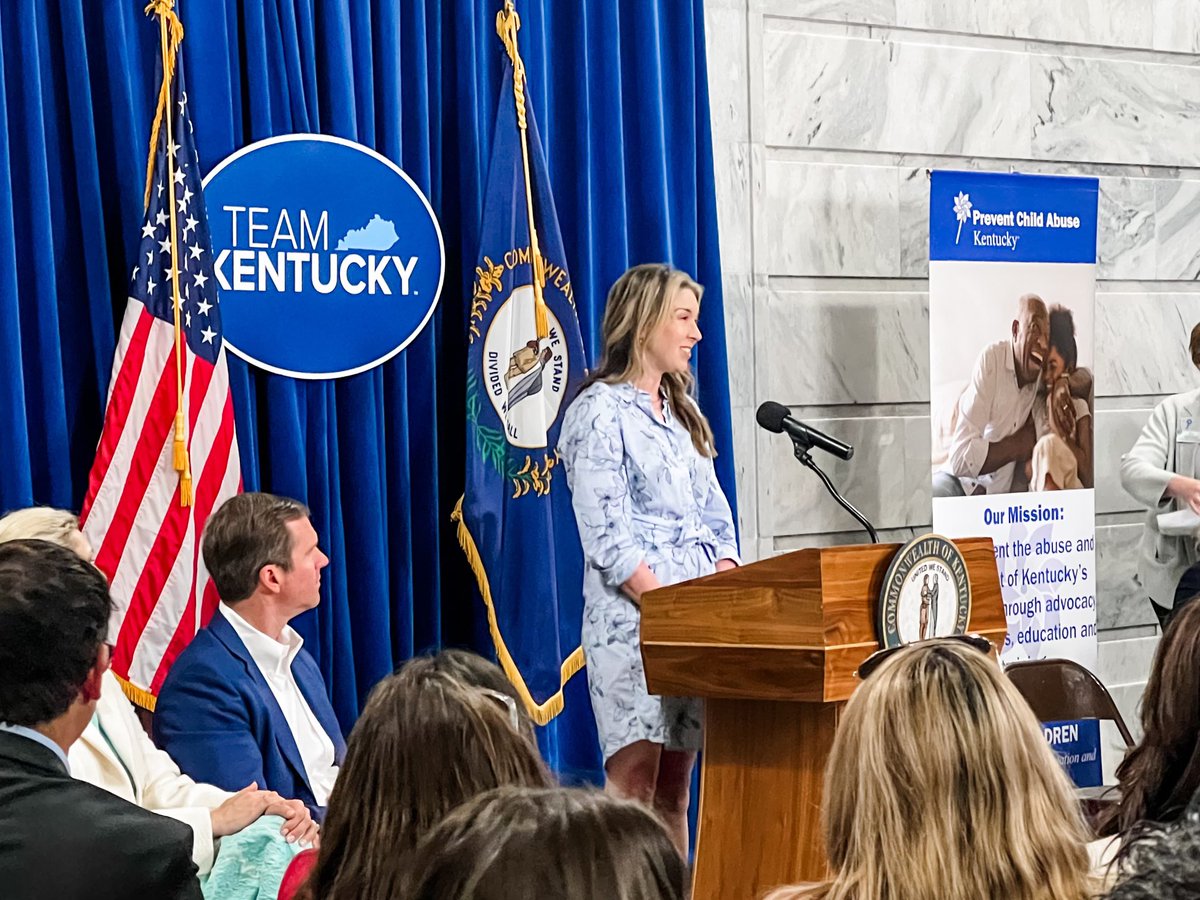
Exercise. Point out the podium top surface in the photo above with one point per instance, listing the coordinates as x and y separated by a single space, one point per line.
792 627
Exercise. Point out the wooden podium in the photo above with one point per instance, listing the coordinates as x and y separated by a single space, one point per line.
773 647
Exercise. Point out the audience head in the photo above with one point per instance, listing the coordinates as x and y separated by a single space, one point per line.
424 744
54 610
940 784
1194 345
473 670
44 523
260 545
1064 352
1159 776
1162 862
553 844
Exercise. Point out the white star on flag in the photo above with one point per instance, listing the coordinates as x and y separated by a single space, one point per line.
196 251
148 230
208 335
161 218
179 176
189 225
150 285
200 279
136 269
164 245
204 307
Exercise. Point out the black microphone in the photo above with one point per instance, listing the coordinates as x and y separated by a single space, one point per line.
778 418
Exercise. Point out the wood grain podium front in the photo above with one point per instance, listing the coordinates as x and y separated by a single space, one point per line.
773 647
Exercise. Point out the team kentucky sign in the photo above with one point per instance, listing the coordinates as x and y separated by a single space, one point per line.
328 258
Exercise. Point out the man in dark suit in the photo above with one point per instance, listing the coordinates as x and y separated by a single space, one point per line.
245 702
60 837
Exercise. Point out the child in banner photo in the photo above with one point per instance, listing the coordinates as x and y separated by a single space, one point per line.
1062 457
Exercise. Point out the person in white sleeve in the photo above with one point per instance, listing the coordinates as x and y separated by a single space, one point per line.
115 753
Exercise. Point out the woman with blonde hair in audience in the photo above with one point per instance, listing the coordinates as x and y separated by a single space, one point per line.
115 753
555 844
940 784
425 743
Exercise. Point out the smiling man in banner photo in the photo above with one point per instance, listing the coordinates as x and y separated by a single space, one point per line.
993 429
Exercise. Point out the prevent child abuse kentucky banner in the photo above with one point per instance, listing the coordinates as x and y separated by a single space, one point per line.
1012 286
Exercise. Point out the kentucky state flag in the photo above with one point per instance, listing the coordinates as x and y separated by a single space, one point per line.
515 521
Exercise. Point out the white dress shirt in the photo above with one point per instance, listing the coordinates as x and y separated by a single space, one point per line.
992 407
274 660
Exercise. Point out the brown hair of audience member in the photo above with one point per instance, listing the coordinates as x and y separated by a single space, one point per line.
248 531
1194 345
473 670
940 784
1159 776
640 301
424 744
552 844
45 523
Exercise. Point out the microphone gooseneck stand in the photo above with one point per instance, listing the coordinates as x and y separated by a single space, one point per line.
801 448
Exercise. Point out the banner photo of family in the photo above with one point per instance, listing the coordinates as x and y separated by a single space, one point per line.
1011 335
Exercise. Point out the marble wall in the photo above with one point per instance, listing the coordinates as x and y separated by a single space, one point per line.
827 115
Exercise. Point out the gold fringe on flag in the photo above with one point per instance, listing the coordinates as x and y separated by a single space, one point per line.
540 713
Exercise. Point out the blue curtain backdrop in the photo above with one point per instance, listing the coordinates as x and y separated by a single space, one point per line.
621 95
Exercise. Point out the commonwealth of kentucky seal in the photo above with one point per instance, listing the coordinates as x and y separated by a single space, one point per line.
525 377
926 592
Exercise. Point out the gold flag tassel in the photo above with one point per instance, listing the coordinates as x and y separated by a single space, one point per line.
507 25
171 33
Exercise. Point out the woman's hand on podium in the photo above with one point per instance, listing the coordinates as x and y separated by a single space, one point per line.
642 580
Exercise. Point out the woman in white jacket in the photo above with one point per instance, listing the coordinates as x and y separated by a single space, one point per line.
1160 472
115 753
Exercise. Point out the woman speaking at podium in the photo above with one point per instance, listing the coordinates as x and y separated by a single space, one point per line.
638 456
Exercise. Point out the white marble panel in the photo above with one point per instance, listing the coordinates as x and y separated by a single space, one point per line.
831 219
745 469
1116 431
1126 661
1125 23
894 96
914 222
858 12
1120 602
827 348
1128 698
1177 207
739 338
888 479
1141 343
728 73
1114 111
842 538
1177 26
735 228
1126 241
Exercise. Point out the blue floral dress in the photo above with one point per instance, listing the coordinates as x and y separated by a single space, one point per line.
640 492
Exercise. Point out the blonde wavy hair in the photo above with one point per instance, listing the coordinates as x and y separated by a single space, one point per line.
46 524
637 304
940 784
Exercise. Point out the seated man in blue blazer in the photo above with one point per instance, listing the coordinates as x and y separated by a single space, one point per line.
245 703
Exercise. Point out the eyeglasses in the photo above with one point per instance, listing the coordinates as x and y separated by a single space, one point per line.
510 705
873 662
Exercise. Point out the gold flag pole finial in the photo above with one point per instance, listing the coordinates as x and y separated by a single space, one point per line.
507 25
171 33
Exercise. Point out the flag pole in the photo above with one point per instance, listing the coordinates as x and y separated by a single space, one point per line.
164 9
507 25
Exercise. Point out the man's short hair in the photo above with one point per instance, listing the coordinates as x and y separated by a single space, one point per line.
54 611
248 532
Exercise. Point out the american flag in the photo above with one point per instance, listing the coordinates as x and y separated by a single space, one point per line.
146 541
